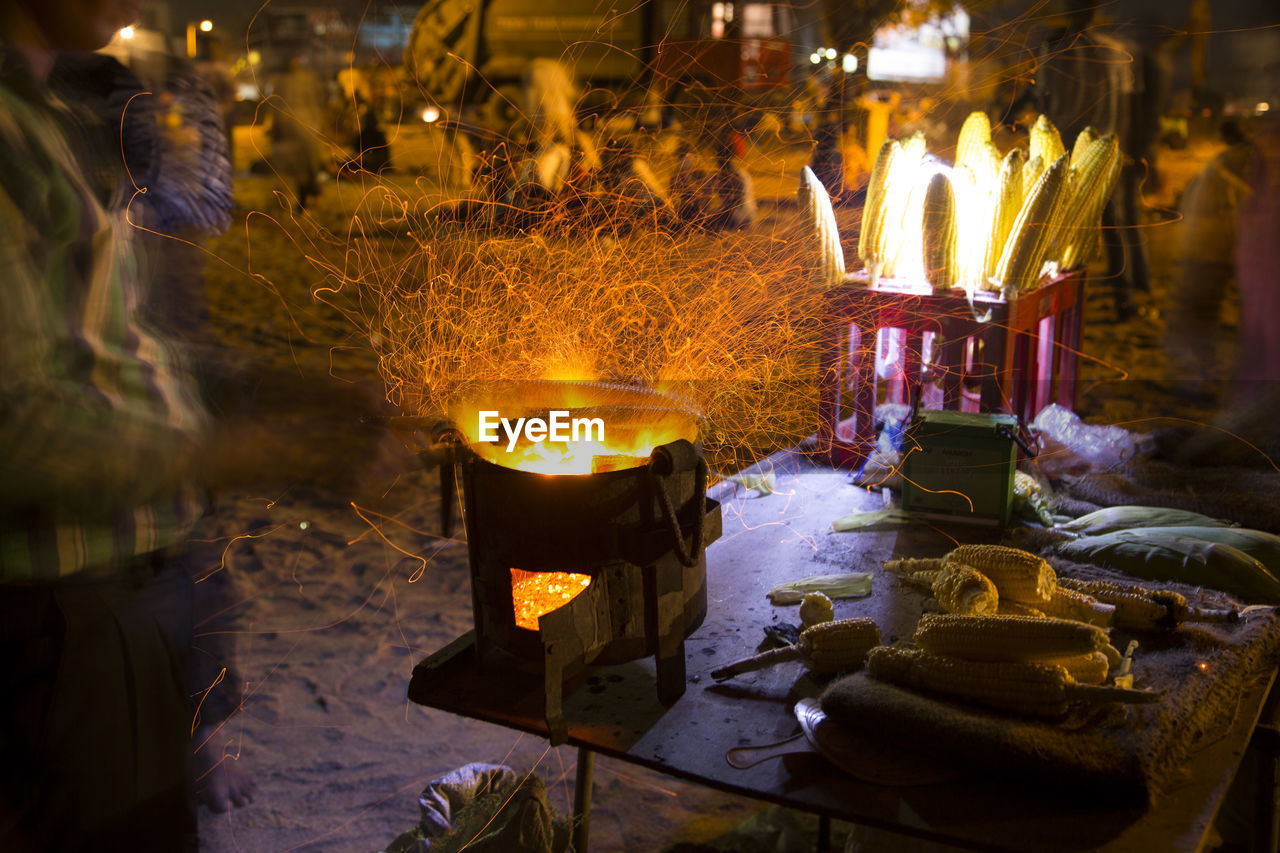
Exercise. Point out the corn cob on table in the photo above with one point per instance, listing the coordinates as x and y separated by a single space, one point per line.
613 710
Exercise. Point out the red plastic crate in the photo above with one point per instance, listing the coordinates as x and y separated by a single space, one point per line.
994 356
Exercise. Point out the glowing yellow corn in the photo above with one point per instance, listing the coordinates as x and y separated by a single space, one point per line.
871 236
1008 203
1034 232
939 232
1046 142
1084 139
975 136
1095 176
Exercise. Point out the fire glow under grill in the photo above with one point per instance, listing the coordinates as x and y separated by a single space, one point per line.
536 593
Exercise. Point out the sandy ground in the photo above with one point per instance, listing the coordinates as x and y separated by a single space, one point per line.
343 583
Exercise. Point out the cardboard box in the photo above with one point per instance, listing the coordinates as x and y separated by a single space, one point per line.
959 467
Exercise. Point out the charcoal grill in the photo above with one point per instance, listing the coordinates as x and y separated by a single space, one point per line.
574 570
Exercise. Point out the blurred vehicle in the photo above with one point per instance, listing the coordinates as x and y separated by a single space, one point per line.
469 59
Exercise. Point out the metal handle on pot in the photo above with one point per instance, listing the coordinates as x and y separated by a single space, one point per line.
670 459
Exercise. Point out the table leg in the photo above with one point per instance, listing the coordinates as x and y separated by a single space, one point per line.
824 833
582 799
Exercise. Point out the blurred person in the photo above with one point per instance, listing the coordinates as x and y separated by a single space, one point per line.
1257 376
1088 75
1246 431
1210 209
106 442
296 123
159 153
373 152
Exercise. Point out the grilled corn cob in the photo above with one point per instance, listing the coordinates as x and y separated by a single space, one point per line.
1033 234
827 647
1086 669
961 589
816 608
1008 203
1140 608
939 232
1032 689
1018 575
1009 607
1011 638
1073 604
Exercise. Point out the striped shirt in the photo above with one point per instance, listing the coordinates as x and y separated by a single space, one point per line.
96 423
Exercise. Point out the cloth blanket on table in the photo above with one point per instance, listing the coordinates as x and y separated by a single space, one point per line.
1249 495
1132 754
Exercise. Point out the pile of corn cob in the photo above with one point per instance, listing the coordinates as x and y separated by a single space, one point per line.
990 222
979 580
996 646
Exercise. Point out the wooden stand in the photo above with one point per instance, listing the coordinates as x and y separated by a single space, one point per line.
992 356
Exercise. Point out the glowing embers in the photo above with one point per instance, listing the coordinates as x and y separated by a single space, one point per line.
537 593
570 427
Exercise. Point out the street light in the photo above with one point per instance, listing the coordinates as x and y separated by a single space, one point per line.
204 26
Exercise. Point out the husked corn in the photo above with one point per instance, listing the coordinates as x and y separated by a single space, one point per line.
1017 574
830 647
1011 638
1072 604
965 590
1031 689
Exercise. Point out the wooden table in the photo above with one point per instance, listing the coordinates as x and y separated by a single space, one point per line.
614 710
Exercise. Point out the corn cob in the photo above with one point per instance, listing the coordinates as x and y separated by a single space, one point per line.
1032 169
921 571
1034 232
816 205
1124 517
939 232
1008 203
961 589
871 236
827 647
816 608
1072 604
1009 607
903 199
1018 575
1084 139
1046 142
1140 608
1094 178
975 136
1086 669
1030 689
1012 638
